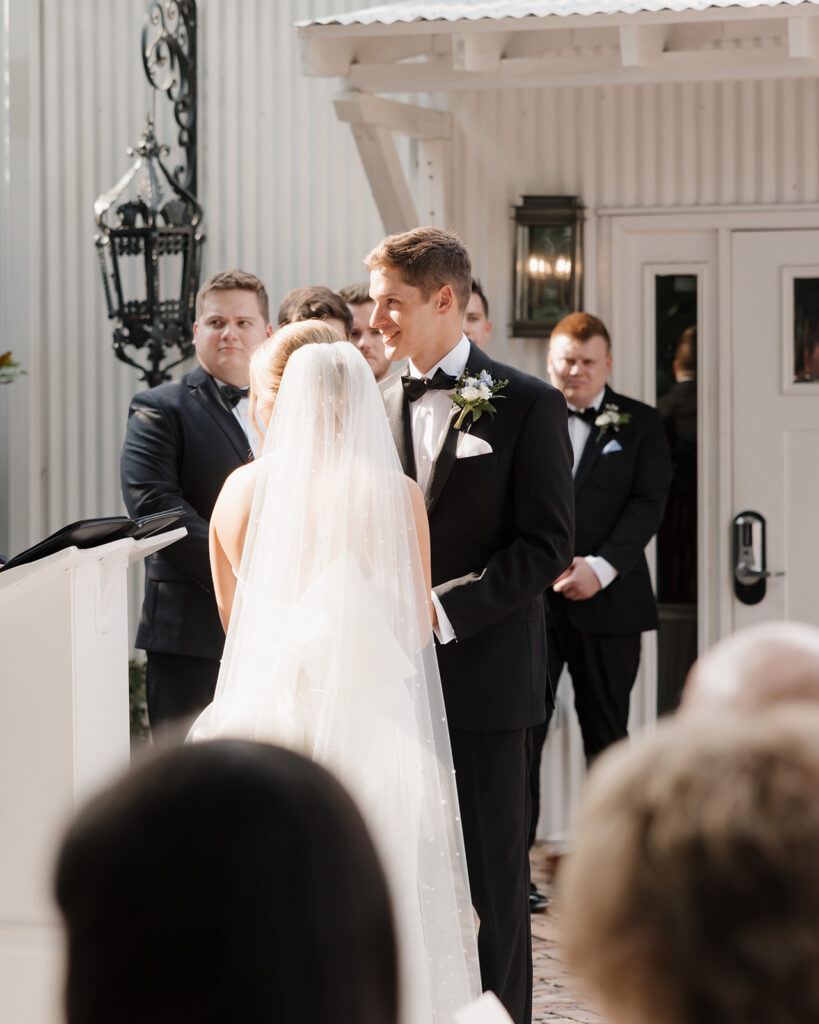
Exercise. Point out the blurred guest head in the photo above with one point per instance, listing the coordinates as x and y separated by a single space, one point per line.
477 325
317 303
225 881
368 340
755 667
692 893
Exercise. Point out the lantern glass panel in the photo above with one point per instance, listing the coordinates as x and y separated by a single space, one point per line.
546 272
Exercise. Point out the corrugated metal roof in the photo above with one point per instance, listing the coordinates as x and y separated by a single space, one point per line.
458 10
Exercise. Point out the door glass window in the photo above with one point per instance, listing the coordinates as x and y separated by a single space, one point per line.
805 329
676 360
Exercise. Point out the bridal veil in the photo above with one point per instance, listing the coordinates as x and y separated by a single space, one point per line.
329 652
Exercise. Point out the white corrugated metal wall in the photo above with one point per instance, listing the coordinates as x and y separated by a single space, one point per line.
279 180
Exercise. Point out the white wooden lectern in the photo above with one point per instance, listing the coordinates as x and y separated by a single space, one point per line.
63 733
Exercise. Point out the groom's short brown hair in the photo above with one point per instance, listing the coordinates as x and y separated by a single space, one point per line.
428 258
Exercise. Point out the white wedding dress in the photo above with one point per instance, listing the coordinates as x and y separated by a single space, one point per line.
329 652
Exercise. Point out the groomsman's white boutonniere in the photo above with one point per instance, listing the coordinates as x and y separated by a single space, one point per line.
610 417
474 394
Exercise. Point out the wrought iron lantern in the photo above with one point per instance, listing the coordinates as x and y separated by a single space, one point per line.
149 242
150 259
548 265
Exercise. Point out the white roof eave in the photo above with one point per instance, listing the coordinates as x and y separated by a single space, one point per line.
449 11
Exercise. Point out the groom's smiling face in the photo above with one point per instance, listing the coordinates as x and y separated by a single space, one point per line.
409 323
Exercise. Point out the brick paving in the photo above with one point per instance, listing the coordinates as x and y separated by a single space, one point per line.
557 996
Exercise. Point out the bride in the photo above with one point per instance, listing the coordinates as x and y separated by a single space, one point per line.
320 552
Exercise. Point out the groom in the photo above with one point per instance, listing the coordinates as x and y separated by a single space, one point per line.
500 503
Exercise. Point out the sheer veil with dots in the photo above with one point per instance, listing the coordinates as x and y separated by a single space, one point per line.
329 652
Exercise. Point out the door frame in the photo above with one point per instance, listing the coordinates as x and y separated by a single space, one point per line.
629 304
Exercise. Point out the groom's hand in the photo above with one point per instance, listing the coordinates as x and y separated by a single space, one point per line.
579 582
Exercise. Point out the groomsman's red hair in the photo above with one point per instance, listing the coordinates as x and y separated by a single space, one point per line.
581 327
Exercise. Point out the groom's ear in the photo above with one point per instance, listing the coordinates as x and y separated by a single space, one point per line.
445 299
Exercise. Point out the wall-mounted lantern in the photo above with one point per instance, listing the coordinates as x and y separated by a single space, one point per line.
548 264
149 242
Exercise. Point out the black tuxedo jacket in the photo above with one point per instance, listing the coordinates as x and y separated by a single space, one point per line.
619 498
501 528
181 443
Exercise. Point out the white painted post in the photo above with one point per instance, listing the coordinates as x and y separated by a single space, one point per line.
63 734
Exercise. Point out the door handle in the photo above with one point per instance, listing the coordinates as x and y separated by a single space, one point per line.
749 569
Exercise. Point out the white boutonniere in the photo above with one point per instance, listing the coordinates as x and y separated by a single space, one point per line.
474 394
610 417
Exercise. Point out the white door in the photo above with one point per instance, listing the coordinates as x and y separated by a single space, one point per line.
775 285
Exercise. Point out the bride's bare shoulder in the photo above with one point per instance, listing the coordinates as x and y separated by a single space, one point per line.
236 496
241 482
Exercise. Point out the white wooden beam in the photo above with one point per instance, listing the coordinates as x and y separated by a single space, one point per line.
641 45
524 73
385 174
803 37
434 179
477 51
405 118
325 58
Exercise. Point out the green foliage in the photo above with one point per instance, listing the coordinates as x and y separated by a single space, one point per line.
137 705
9 369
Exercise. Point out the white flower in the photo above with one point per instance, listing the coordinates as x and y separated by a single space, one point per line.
610 417
472 395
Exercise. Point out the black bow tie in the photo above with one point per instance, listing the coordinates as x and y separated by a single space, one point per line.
587 415
232 395
414 387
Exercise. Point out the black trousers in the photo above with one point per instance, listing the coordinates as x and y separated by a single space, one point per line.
493 793
178 687
603 667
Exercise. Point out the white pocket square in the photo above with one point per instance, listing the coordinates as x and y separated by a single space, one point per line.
468 446
612 446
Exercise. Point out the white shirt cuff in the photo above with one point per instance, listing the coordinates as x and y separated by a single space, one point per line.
602 569
443 630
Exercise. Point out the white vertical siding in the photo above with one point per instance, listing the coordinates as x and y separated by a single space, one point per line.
672 145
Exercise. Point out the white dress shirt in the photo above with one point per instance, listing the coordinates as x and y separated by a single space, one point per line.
430 416
579 432
241 411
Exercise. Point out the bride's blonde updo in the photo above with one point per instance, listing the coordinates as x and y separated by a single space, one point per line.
270 358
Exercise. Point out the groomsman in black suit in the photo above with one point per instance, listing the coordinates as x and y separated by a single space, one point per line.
183 439
598 608
499 498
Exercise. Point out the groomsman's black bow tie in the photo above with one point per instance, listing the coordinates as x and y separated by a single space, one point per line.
414 387
587 415
232 395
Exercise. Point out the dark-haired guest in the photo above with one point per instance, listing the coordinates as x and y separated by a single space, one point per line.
316 302
477 325
368 340
225 881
